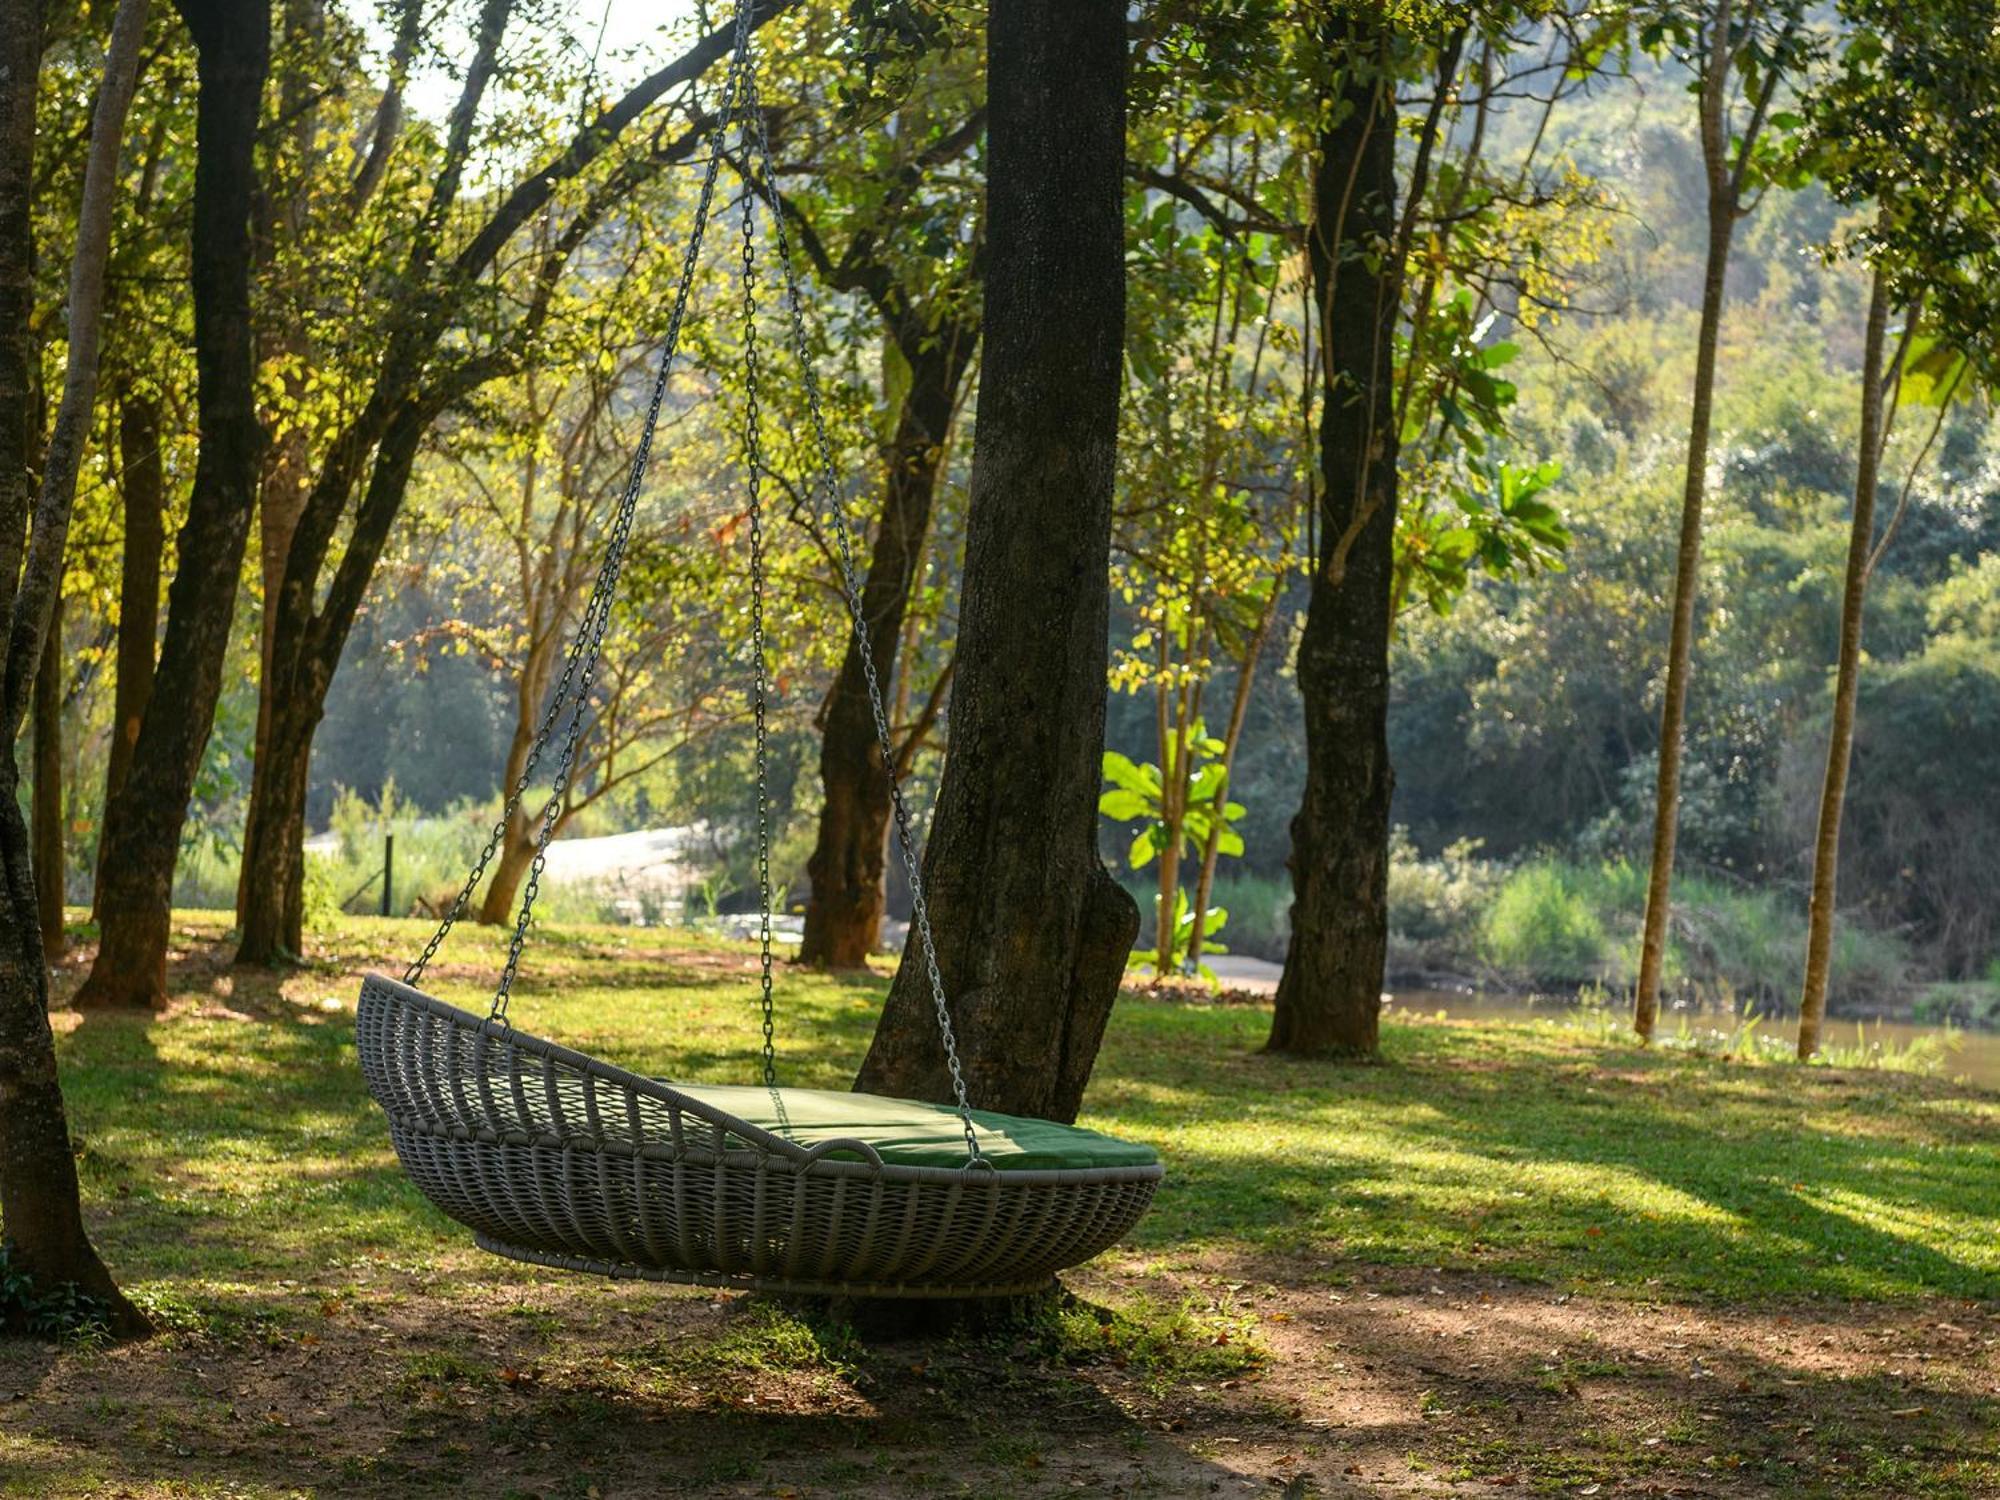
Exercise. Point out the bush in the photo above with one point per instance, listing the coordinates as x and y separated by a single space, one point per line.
433 854
1436 906
1260 913
1542 928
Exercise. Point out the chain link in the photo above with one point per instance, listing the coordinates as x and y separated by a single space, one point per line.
753 463
763 184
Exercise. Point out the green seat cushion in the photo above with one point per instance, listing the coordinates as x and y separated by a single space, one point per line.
910 1134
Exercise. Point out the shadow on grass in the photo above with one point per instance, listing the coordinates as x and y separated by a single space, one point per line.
1587 1163
210 1143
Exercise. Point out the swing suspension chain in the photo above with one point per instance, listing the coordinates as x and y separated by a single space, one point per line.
763 184
580 665
753 463
572 691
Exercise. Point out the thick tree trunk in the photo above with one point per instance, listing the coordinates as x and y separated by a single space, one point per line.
307 649
271 910
1329 998
46 814
1847 678
143 826
39 1201
517 847
1680 639
1032 930
143 493
844 908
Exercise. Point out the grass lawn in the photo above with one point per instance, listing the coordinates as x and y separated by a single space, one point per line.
1510 1256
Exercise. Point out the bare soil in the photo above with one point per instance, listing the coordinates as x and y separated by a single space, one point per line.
391 1380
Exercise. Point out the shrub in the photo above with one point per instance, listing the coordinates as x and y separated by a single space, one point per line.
1541 927
1260 913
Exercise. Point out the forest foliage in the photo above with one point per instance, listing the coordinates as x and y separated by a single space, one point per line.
1542 397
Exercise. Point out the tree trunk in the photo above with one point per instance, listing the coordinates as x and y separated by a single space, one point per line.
1032 930
844 907
1239 710
142 830
72 425
1680 640
307 649
1847 680
271 913
46 813
1329 997
517 847
39 1201
517 852
287 478
144 496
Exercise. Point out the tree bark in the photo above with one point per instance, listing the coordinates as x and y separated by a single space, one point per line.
271 918
1032 930
844 908
143 493
1847 679
39 1201
46 812
1239 709
143 826
287 477
1680 639
1329 998
1722 214
517 853
73 417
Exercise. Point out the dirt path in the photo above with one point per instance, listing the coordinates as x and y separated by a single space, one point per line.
373 1379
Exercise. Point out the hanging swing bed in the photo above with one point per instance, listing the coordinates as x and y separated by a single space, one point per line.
558 1158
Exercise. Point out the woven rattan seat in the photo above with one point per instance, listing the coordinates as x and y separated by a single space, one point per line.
554 1157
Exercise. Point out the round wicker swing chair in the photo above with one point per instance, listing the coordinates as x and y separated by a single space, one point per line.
551 1156
558 1158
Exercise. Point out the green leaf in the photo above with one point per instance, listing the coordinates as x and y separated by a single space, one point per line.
1144 847
1124 805
1120 770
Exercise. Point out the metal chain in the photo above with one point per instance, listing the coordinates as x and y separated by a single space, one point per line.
753 464
579 667
764 186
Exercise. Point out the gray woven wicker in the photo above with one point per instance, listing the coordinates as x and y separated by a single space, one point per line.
554 1157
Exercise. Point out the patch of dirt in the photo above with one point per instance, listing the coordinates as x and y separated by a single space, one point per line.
470 1378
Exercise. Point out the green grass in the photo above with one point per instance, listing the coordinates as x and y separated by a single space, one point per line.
217 1152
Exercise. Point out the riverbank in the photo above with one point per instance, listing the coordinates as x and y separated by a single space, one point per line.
1970 1053
1563 928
